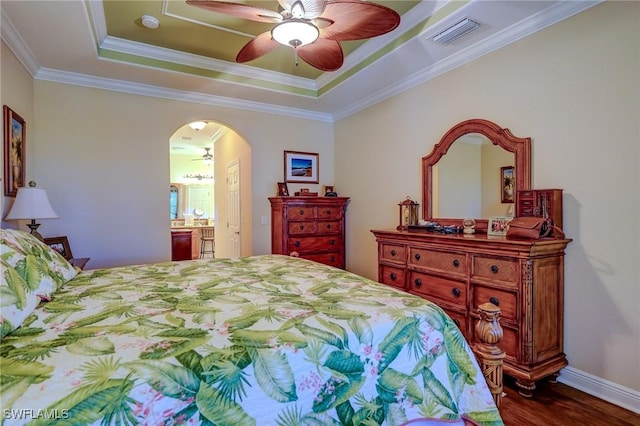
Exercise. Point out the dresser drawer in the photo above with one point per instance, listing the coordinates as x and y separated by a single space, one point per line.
329 227
494 269
392 276
296 228
433 287
331 259
324 213
300 212
455 263
393 252
507 301
326 243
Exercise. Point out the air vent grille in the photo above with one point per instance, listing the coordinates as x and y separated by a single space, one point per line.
455 31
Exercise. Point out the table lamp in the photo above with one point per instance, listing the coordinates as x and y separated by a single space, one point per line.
31 203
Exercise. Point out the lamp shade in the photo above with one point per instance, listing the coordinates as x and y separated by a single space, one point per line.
31 203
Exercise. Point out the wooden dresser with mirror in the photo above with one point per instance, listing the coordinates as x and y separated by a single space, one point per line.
459 272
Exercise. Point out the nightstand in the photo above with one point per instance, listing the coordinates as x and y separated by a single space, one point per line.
79 262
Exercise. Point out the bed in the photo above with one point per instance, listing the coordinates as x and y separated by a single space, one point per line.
265 340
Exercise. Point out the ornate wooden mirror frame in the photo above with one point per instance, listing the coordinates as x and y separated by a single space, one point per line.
520 147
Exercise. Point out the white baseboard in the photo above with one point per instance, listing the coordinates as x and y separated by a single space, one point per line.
601 388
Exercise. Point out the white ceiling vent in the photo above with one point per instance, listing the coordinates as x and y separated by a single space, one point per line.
455 31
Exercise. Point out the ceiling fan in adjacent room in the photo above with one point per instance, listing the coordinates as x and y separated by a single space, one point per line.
313 28
207 157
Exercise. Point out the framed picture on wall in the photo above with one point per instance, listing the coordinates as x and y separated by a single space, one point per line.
507 184
61 245
14 151
300 167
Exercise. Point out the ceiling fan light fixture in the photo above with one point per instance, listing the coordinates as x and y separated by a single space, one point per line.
197 125
295 33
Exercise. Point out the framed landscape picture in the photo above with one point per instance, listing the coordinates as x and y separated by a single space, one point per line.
14 151
300 167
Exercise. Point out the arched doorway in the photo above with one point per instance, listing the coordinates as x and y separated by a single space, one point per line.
200 157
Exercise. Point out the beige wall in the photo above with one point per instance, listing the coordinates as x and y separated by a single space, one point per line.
573 88
16 91
104 158
229 149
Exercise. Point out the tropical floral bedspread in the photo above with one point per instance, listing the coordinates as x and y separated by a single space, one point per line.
264 340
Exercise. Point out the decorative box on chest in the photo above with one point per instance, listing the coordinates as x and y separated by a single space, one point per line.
545 203
461 271
310 227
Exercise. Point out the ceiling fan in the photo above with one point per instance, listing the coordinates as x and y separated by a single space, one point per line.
313 28
207 156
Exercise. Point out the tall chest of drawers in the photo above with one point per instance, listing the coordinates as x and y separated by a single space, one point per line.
525 278
314 227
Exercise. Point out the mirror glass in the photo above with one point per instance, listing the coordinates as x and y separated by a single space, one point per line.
173 201
466 181
462 176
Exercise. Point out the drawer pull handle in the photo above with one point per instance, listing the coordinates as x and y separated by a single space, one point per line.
494 300
332 242
456 292
328 212
393 252
417 256
418 282
297 244
393 276
301 226
333 259
456 263
494 269
301 212
329 226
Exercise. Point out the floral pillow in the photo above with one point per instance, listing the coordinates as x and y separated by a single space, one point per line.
31 271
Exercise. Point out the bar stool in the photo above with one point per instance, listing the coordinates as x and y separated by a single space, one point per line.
207 235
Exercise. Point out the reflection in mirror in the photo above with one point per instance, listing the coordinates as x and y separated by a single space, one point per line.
173 201
461 177
189 198
466 181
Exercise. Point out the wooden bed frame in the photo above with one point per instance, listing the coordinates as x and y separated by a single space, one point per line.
489 355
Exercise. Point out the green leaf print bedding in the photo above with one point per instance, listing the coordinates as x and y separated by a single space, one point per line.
262 340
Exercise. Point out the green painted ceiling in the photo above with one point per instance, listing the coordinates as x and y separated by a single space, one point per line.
189 29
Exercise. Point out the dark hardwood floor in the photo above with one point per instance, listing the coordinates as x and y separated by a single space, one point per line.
559 404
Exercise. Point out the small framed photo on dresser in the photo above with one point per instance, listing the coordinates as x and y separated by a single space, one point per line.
498 225
283 190
61 245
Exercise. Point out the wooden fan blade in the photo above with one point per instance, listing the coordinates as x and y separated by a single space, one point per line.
357 19
323 54
257 47
238 10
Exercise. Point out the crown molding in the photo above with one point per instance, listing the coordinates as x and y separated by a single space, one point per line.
85 80
516 32
533 24
17 45
223 68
